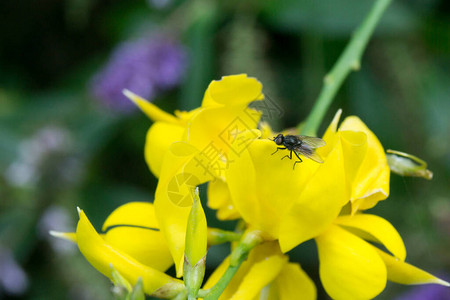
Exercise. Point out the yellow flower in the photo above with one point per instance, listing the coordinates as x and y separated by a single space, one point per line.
132 244
367 170
351 268
219 197
266 272
296 205
194 147
223 109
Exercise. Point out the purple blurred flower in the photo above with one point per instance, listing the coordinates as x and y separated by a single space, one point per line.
56 217
13 280
48 151
427 292
145 67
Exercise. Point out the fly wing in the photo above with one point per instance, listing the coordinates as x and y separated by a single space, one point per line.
312 155
308 150
313 142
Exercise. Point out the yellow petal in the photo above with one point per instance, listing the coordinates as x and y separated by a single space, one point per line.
143 244
350 268
232 90
215 129
378 190
266 130
133 229
354 147
262 266
379 229
186 159
267 264
318 204
217 274
100 255
293 282
159 138
151 110
219 198
330 135
185 116
133 213
181 173
404 273
246 191
372 182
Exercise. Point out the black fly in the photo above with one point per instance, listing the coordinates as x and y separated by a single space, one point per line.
300 144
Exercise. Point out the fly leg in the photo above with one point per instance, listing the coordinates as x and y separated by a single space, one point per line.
300 160
290 155
279 148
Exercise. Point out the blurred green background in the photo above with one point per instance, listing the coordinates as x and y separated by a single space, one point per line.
67 140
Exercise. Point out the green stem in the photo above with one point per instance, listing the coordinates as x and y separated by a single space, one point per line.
181 295
218 236
250 240
348 61
216 291
203 293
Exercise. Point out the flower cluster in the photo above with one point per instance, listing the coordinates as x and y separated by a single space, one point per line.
281 208
147 66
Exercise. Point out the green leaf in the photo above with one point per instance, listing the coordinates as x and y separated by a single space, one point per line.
138 291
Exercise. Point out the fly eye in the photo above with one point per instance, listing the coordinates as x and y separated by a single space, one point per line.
278 141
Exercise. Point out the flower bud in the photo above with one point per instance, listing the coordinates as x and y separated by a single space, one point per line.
195 251
405 164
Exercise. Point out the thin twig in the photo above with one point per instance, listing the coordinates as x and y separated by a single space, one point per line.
349 60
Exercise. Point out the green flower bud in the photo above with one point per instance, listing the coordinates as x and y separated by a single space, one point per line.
195 251
405 164
138 291
121 285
